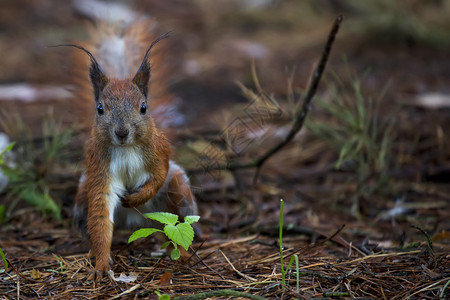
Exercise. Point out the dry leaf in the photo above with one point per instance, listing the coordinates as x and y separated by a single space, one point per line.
35 274
166 278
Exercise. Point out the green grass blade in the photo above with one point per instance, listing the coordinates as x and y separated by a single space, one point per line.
5 262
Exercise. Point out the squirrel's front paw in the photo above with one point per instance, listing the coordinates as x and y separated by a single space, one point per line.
129 201
99 270
96 275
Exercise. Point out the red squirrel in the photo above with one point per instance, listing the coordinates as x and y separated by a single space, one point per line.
128 163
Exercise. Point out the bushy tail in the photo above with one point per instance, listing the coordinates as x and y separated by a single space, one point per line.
119 50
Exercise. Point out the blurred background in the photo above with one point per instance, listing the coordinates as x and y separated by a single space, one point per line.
374 153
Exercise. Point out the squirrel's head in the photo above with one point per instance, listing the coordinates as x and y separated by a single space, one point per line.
121 105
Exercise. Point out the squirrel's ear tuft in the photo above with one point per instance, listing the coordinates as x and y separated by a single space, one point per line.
143 74
142 77
98 78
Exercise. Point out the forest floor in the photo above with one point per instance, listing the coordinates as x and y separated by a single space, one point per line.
365 184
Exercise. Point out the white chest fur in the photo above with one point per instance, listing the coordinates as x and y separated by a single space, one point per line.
127 174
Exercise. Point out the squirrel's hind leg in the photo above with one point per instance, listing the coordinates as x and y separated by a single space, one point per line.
80 208
180 199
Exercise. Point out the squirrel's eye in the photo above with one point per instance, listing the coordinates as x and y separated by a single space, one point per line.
143 108
100 109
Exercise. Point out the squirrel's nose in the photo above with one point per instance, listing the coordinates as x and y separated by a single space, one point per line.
121 133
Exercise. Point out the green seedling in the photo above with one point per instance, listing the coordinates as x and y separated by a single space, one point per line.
178 233
293 258
162 296
61 264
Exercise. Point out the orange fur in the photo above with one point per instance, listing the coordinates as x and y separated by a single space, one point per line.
127 158
179 193
139 34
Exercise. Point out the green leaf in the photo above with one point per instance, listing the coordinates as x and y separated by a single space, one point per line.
182 234
8 148
163 217
163 296
5 262
191 219
175 255
164 246
143 232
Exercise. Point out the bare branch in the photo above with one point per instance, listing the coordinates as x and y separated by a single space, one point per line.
300 115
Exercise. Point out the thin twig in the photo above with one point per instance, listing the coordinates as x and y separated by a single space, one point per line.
142 215
151 272
300 115
331 237
23 276
200 260
236 270
126 292
303 112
